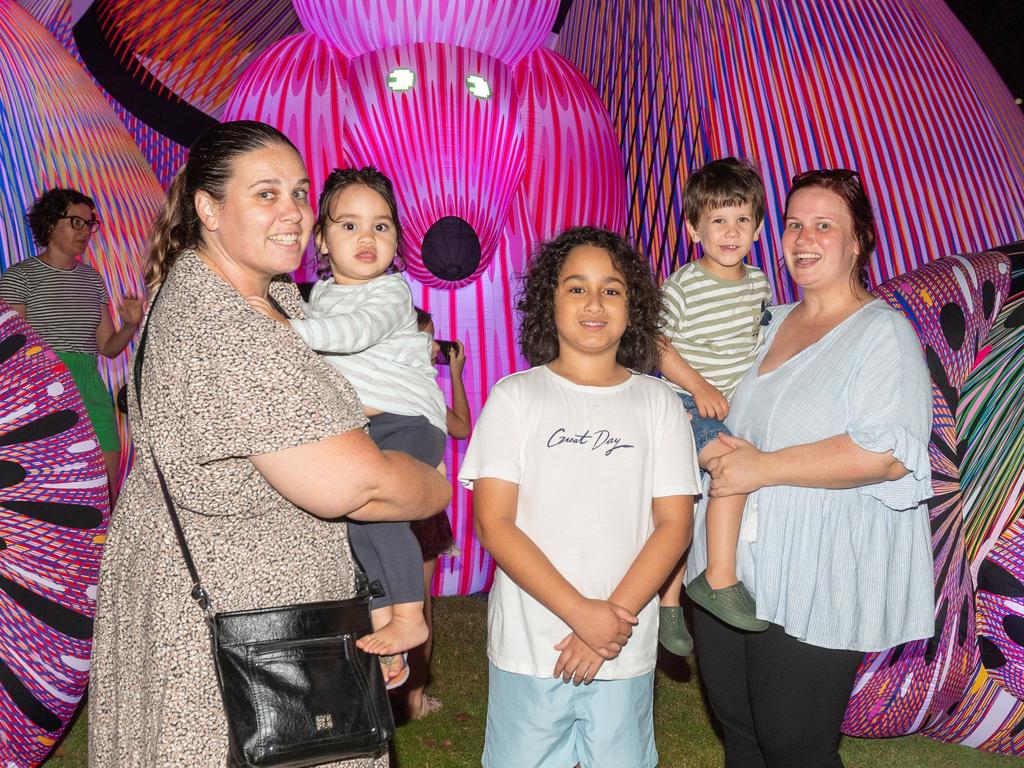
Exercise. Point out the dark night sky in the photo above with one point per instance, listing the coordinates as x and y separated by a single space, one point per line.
997 26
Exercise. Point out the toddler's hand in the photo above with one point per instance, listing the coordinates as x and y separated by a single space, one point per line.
443 469
261 305
711 404
604 626
578 662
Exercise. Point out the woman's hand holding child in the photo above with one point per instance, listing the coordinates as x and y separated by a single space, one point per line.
737 472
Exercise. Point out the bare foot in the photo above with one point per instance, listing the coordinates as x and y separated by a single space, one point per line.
402 633
428 706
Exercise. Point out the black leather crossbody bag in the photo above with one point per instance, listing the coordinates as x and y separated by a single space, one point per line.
296 690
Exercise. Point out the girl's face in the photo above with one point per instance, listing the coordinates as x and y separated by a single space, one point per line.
359 238
818 242
590 303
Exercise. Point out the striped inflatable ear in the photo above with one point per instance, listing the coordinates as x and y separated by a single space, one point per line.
573 164
504 29
300 86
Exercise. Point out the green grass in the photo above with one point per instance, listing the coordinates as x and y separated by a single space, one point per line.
454 737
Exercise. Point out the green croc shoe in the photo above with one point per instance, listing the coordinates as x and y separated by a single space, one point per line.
672 633
732 604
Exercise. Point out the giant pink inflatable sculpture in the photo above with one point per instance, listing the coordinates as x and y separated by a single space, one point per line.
486 135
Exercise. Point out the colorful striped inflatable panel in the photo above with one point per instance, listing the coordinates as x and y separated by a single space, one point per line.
53 518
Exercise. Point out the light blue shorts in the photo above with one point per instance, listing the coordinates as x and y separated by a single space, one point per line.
541 722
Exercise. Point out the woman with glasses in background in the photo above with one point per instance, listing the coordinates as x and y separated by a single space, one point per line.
831 429
66 302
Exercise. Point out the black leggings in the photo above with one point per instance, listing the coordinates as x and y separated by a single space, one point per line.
780 701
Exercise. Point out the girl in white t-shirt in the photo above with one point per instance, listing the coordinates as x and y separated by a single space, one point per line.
583 474
360 316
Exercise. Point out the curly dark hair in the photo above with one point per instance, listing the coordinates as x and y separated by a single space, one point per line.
49 207
538 337
339 180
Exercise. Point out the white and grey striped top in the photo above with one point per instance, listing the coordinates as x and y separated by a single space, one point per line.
369 333
846 568
715 324
64 306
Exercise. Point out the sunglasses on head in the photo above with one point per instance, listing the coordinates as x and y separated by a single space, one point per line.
77 222
826 174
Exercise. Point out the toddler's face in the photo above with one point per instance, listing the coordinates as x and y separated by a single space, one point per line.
360 238
726 235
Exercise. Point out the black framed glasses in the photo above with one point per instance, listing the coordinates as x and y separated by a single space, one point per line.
826 174
77 222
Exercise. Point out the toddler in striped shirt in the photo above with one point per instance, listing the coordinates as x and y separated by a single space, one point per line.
713 310
361 317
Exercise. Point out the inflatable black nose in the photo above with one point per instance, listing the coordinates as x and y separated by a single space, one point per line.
451 249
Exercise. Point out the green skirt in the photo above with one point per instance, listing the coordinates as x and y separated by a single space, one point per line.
95 397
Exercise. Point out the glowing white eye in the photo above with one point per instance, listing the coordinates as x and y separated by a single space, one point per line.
478 86
401 79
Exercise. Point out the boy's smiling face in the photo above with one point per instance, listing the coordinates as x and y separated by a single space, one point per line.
726 235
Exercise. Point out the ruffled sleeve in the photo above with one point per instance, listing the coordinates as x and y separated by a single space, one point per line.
890 401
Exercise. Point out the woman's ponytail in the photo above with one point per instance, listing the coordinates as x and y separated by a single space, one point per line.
175 229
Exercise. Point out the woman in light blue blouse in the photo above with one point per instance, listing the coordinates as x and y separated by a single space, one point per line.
831 430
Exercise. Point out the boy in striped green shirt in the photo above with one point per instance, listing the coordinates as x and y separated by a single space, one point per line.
712 314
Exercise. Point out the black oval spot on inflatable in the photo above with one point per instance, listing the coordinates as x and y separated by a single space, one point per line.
1014 626
39 429
23 698
451 249
951 320
11 473
9 347
965 615
991 656
988 299
993 578
1015 319
80 516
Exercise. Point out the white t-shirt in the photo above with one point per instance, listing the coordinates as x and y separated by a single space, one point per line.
588 462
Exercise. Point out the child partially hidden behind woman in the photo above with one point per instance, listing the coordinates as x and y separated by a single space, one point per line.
583 474
362 319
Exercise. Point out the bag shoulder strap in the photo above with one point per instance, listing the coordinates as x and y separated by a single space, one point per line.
198 592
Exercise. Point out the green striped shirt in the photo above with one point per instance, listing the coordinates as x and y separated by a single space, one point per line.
715 324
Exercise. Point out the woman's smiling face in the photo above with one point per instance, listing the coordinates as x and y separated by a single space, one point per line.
819 242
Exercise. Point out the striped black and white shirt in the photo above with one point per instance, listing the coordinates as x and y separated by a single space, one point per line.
64 306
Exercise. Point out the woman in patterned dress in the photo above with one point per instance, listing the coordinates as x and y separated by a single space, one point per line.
262 445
